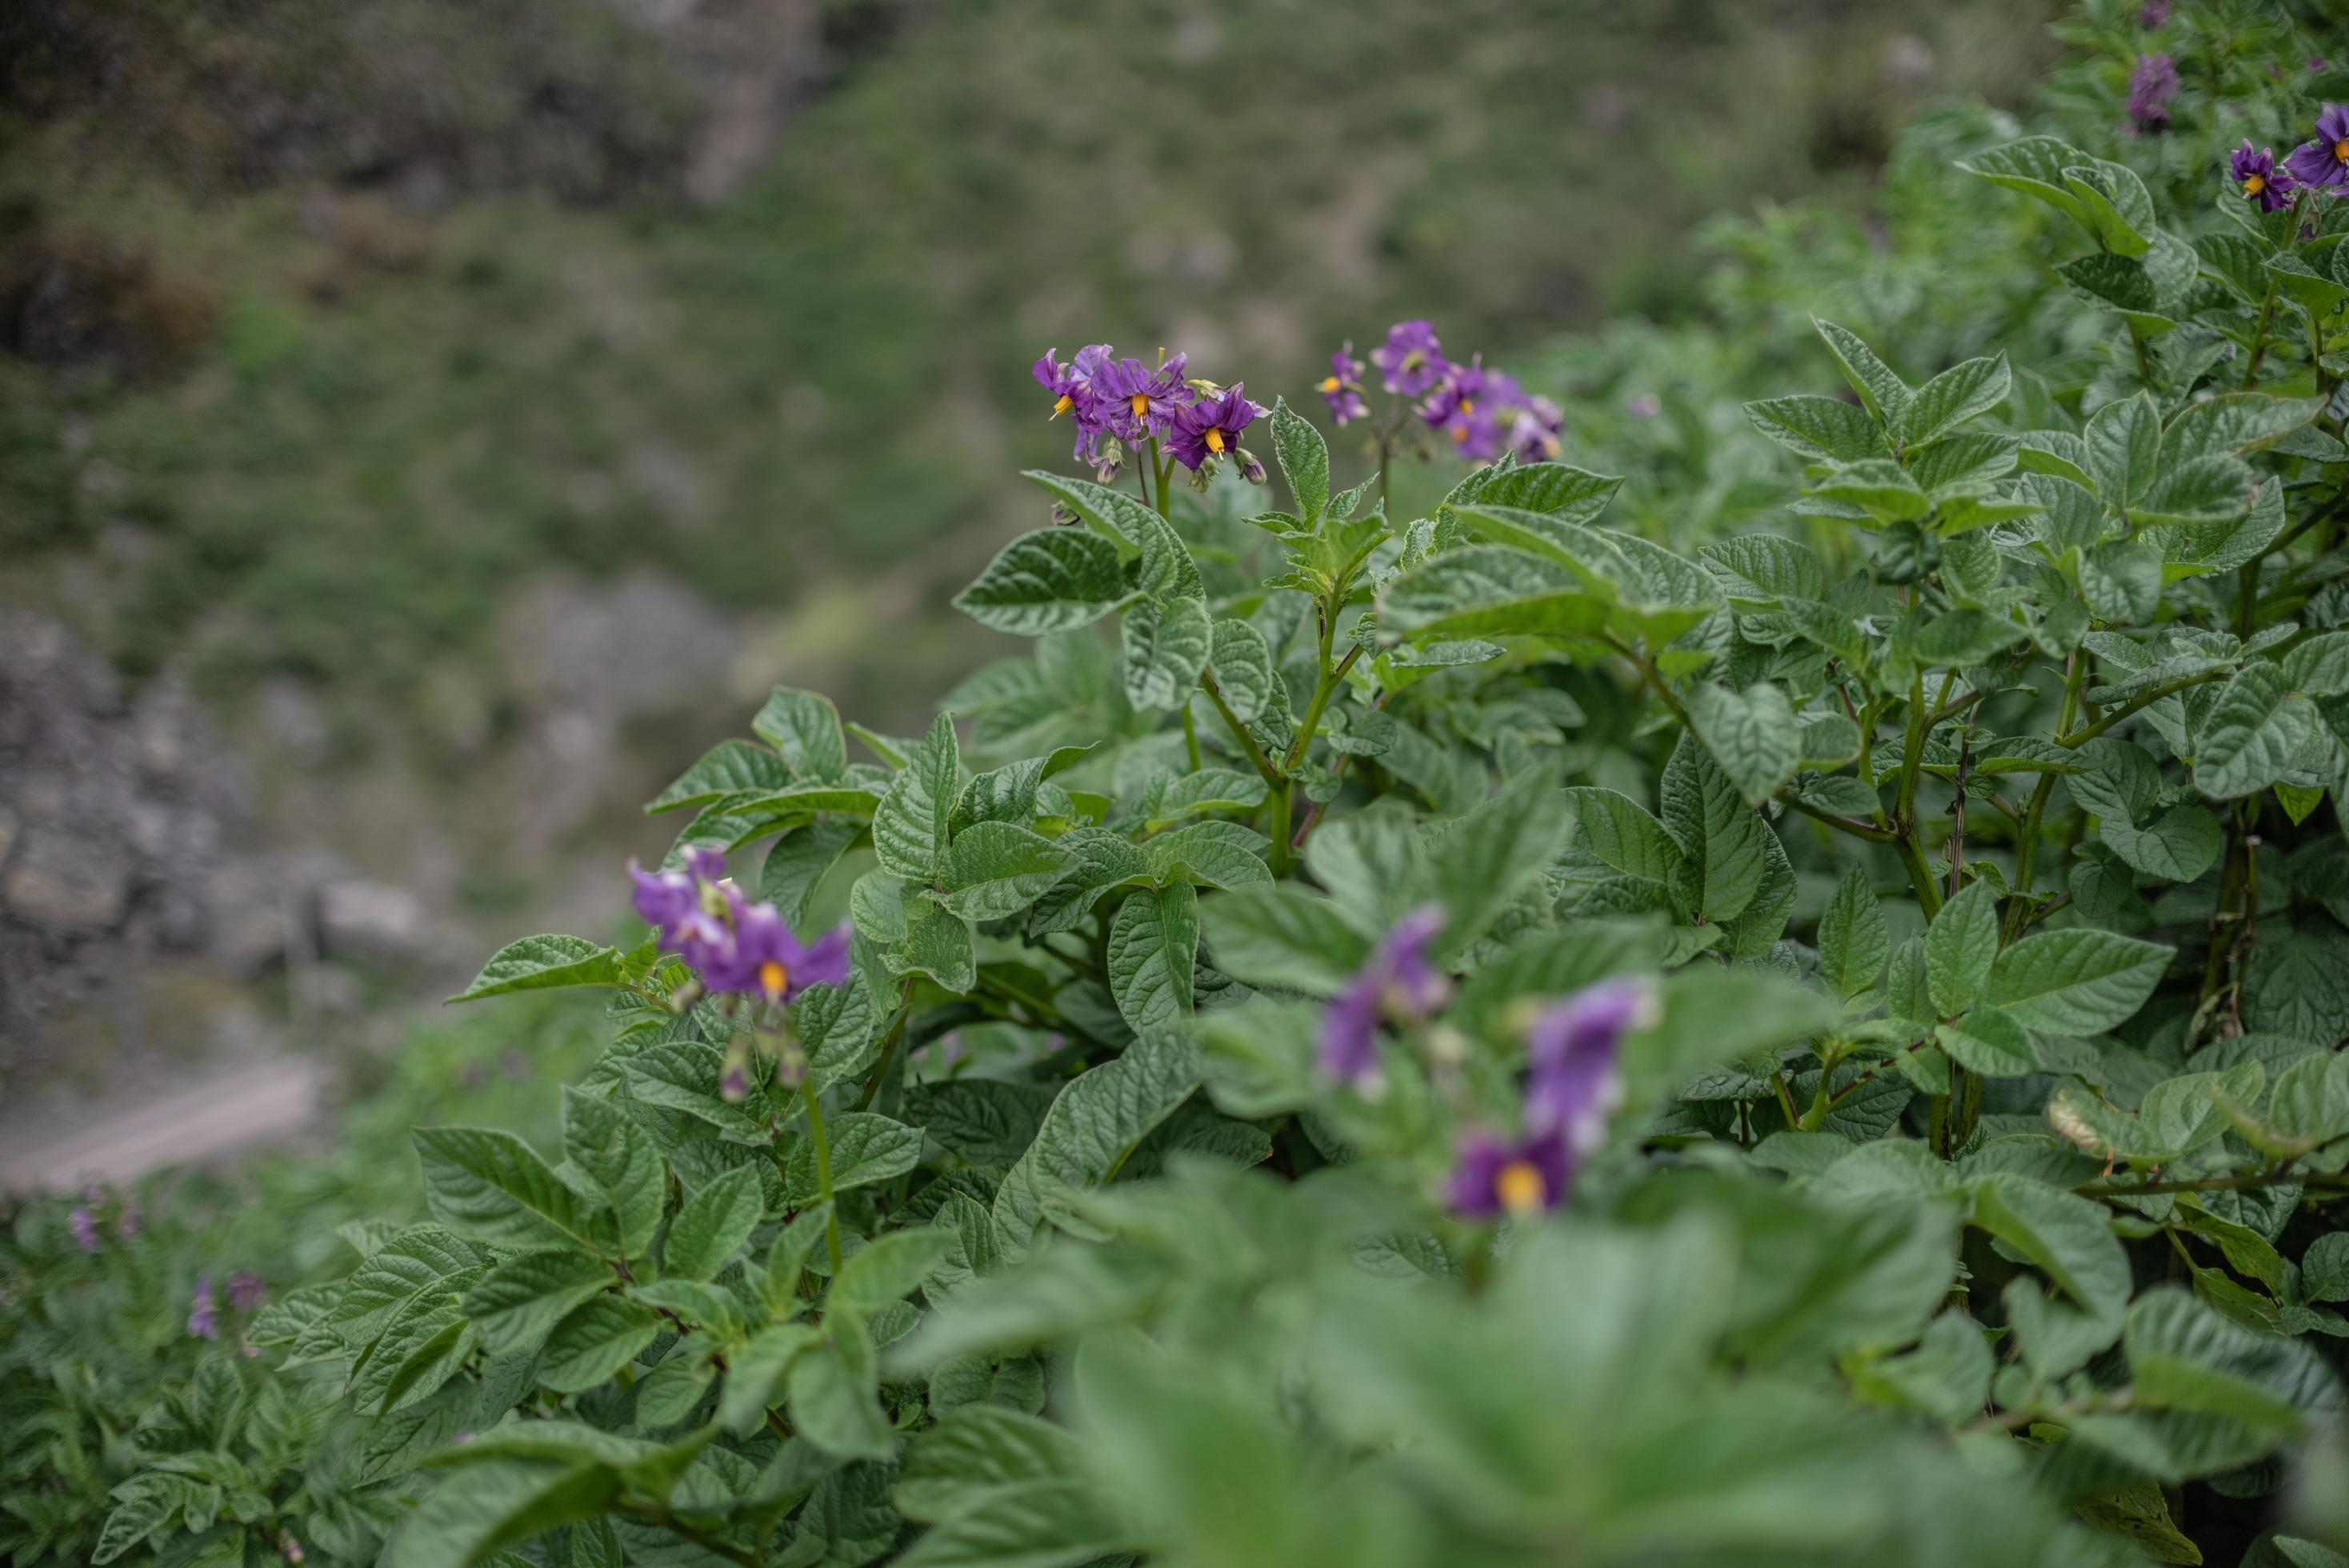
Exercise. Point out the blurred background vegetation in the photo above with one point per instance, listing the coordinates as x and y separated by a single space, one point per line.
463 411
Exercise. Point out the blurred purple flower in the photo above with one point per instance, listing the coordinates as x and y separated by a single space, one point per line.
682 903
2256 172
1134 401
764 958
1397 978
1411 360
127 1227
1460 409
2153 12
1534 435
1644 404
204 1321
2325 161
1343 388
246 1291
84 1228
2151 87
1573 1047
1520 1177
1212 426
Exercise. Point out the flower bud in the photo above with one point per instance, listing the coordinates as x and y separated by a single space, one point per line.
682 1000
1110 462
734 1077
1251 469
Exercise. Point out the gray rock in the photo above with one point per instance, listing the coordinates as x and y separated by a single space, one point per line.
73 886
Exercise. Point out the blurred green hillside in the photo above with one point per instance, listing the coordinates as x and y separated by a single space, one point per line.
322 321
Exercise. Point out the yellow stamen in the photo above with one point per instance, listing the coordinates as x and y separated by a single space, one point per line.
1329 383
1467 406
2253 185
1141 401
1062 404
2341 150
1459 435
1214 440
773 978
1520 1187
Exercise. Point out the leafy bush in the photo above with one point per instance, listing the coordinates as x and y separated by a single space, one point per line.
1485 1037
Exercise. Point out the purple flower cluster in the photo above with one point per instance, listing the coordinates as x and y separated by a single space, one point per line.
1397 981
204 1316
2324 161
1482 412
737 946
85 1228
1131 400
1574 1086
2152 86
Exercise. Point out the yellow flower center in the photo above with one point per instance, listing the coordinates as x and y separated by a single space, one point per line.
774 978
1141 401
1459 435
1329 384
1062 404
2341 150
1214 440
2253 185
1520 1187
1467 408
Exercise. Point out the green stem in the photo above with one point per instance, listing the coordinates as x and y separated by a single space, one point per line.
889 1045
1648 673
1283 851
2260 335
2319 1183
1158 477
822 1146
1191 736
1841 824
1324 683
2026 851
2145 699
1272 778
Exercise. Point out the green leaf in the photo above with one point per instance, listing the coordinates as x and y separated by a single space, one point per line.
522 1298
1753 734
492 1185
753 1371
1955 396
2119 283
2035 167
1092 1128
1154 945
714 1222
800 859
2124 442
834 1024
2252 734
887 1269
1283 937
612 1151
422 1347
1822 430
416 1259
1053 580
2179 845
2063 1234
977 1450
836 1396
1241 661
909 828
1721 840
2113 204
1304 462
2079 982
2204 491
1959 946
994 869
1194 794
729 768
865 1148
1220 854
1878 487
2319 666
1853 939
2304 283
1554 490
938 943
1481 590
687 1075
1484 860
1762 569
1885 394
542 962
480 1510
805 728
590 1346
2183 1356
144 1504
1167 642
1990 1042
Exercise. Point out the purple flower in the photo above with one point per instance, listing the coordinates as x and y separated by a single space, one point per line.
764 959
1070 384
1343 388
1461 409
683 903
1524 1176
2325 161
1396 979
84 1227
1212 426
127 1227
203 1322
246 1291
1411 360
1134 402
2153 12
1534 435
2151 87
2256 172
1575 1084
1644 404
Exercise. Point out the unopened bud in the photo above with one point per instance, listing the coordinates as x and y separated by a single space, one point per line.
1446 1046
1251 469
791 1060
1063 517
1110 461
682 1000
734 1077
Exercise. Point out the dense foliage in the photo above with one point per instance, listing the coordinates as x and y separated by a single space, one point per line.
1491 1036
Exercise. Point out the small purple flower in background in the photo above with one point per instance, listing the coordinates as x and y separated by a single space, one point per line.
1520 1177
1070 384
1398 979
2325 161
1134 402
1343 388
1411 360
204 1321
84 1228
2151 87
1575 1084
1644 404
2256 172
1534 435
2153 12
1212 426
127 1227
246 1291
2318 64
1458 410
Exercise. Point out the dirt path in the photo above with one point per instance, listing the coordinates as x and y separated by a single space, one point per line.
250 1104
